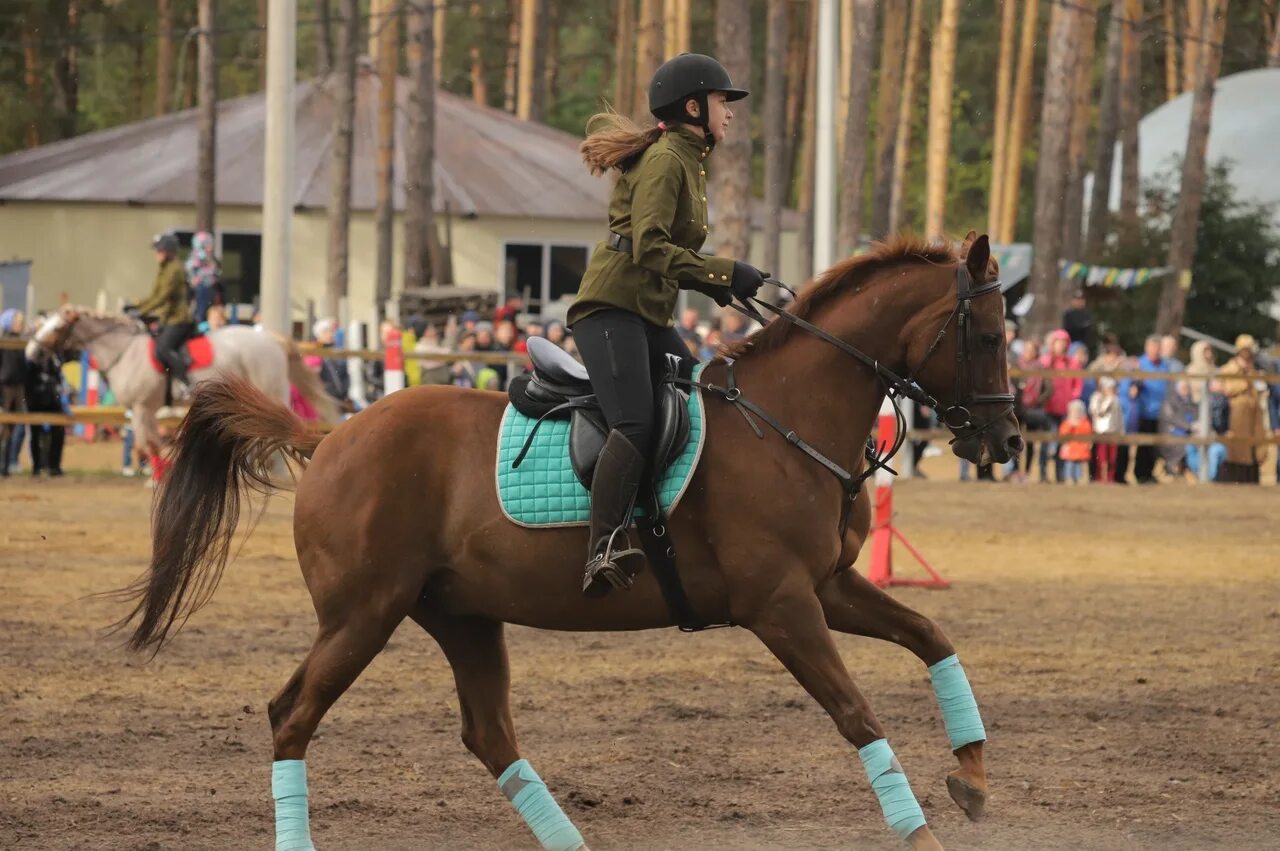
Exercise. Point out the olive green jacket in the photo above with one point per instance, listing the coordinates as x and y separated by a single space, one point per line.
170 298
660 204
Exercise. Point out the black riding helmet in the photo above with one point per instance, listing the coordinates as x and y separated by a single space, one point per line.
166 242
690 75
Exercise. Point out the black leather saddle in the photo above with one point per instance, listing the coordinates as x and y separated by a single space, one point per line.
560 388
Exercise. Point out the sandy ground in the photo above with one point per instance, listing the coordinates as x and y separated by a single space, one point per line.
1123 644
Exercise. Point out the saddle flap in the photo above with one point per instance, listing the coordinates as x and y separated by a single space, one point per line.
587 434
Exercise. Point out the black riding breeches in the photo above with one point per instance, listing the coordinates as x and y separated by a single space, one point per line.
169 342
622 353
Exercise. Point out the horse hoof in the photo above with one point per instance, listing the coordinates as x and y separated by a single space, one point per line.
968 797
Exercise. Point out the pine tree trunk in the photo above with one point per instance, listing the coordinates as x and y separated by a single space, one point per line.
887 97
1000 144
384 215
776 185
670 28
1192 29
1019 124
340 164
419 213
164 56
324 39
479 84
207 144
1055 134
551 56
685 25
189 76
1170 36
808 128
1273 50
624 63
69 72
649 49
797 77
1073 205
438 32
527 104
1130 114
942 67
846 74
1108 130
855 130
730 171
902 144
1186 216
261 33
513 57
32 79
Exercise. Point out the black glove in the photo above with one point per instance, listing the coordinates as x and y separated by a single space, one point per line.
747 280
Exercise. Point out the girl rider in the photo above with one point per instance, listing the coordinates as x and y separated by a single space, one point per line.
623 316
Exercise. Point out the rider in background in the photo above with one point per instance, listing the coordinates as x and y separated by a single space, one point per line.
623 317
170 303
204 275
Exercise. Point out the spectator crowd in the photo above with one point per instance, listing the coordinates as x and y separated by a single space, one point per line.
1060 414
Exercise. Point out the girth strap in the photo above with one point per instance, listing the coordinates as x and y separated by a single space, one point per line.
655 540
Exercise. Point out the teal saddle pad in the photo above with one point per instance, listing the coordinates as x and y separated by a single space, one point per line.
543 490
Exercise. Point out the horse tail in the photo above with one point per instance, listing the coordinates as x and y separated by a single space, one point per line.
225 447
310 385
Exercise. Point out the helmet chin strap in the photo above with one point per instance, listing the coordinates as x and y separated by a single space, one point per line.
705 123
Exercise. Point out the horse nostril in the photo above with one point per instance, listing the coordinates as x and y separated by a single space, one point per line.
1015 444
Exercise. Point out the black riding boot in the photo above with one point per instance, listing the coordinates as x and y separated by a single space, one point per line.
611 560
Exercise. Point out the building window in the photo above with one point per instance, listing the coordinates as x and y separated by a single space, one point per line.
542 273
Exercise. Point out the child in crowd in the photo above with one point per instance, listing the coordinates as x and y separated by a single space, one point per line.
1107 412
1074 454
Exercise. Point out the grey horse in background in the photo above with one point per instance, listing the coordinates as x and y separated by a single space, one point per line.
121 347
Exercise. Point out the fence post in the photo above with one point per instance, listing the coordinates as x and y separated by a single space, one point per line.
393 363
1206 429
355 366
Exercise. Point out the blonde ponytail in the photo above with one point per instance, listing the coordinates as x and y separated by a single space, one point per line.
615 141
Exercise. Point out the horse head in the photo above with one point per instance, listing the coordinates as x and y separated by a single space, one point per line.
959 358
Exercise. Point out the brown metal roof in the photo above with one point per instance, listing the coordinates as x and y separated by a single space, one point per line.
488 162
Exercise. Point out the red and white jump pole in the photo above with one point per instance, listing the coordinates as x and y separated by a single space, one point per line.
883 532
393 362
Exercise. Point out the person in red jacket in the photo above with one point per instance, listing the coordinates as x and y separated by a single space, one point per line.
1063 390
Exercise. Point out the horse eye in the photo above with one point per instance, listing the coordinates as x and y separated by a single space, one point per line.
991 342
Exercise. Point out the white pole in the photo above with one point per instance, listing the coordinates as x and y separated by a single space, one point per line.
824 172
277 188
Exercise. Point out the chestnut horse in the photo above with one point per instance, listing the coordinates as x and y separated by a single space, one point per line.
760 529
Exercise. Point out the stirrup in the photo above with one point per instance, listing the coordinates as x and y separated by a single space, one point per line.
609 569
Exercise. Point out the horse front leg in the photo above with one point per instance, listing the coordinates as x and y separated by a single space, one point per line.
791 625
852 604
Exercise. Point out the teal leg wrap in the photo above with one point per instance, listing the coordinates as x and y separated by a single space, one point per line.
289 788
897 801
528 794
959 708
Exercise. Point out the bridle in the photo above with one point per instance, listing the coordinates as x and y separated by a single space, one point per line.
958 414
64 335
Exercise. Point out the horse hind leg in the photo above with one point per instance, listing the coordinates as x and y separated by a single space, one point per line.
477 651
340 652
852 604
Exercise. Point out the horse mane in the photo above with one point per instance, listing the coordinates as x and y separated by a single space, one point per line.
840 279
91 313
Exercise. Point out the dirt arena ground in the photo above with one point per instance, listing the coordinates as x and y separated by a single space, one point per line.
1123 643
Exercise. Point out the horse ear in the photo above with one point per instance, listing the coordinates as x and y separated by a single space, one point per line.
977 257
967 242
